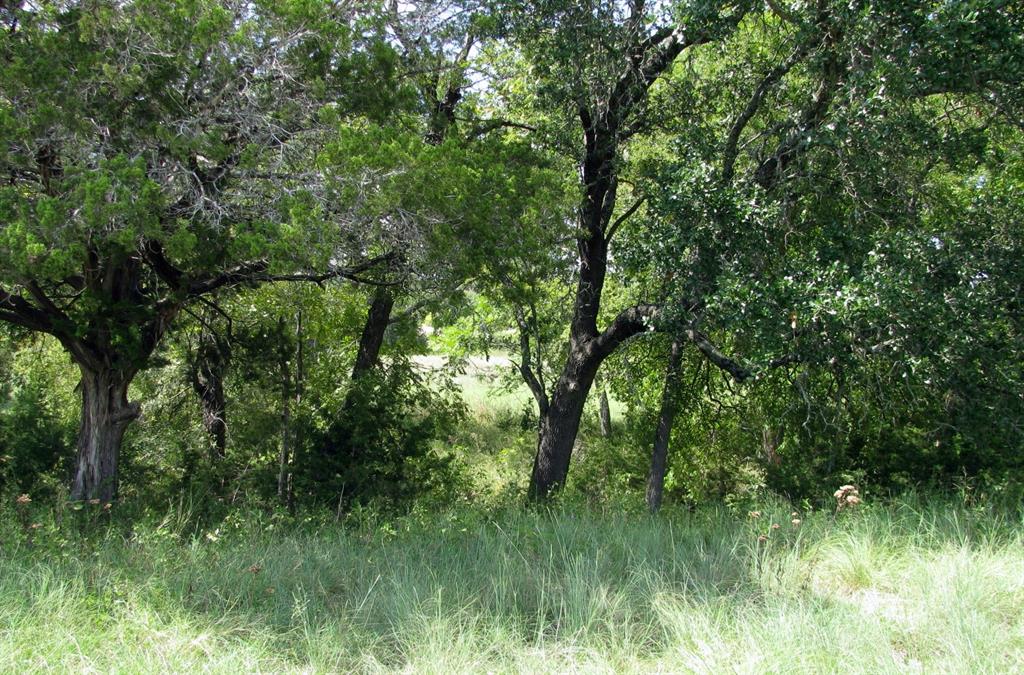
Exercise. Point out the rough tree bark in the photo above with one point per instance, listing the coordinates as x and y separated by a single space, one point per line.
663 434
106 413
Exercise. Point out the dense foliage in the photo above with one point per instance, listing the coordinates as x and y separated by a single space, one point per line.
258 250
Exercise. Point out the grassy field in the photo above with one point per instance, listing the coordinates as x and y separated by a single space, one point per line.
919 585
910 587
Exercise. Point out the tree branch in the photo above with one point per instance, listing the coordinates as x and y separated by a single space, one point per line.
769 81
770 172
255 272
649 59
525 369
782 12
739 372
46 303
623 218
412 309
16 310
485 127
245 273
629 322
153 254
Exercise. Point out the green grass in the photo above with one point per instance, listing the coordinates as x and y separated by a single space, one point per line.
913 587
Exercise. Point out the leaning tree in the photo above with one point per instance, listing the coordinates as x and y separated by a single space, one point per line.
153 153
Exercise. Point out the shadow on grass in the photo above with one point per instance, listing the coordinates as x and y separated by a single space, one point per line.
502 590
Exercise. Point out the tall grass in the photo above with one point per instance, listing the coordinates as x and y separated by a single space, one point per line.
913 587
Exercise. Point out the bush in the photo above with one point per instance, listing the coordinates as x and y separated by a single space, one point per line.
381 447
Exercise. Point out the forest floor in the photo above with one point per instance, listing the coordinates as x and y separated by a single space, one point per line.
915 586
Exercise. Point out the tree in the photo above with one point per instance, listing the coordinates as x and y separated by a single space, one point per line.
456 184
149 150
742 143
449 212
768 230
600 62
208 364
434 39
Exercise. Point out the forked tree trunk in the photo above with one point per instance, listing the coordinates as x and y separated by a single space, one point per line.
666 418
106 413
588 350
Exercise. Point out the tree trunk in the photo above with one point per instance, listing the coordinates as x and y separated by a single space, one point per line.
207 376
215 421
588 349
560 424
284 458
106 413
372 338
300 386
605 414
602 125
666 418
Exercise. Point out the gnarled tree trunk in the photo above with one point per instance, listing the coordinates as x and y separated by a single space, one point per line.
106 413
